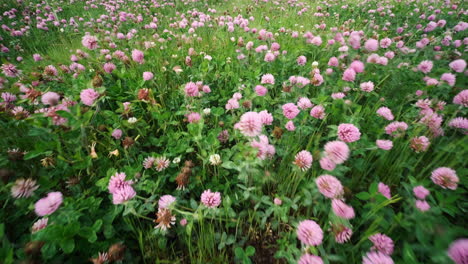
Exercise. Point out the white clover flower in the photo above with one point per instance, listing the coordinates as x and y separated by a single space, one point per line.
132 120
315 64
176 160
215 159
208 57
207 111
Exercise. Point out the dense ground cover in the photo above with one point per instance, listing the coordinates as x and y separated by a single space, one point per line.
233 132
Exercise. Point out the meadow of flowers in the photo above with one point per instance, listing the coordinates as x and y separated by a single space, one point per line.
242 131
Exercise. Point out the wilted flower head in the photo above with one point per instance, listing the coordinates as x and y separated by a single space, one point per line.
164 219
309 233
23 188
161 163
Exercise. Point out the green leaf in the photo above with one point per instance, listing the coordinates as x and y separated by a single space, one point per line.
250 251
408 254
97 225
67 245
363 196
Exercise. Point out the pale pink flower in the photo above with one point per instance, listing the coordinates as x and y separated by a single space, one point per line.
458 65
349 75
420 192
39 225
303 160
458 250
329 186
301 60
445 178
318 112
123 194
265 150
148 162
384 144
250 124
88 96
309 233
260 90
304 103
48 204
385 112
371 45
396 129
337 151
211 199
50 98
425 66
290 110
377 258
147 76
344 235
420 144
367 86
348 133
277 201
310 259
290 126
384 190
461 98
90 42
449 78
422 205
268 79
382 243
166 201
327 164
357 66
342 210
267 118
191 89
138 56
